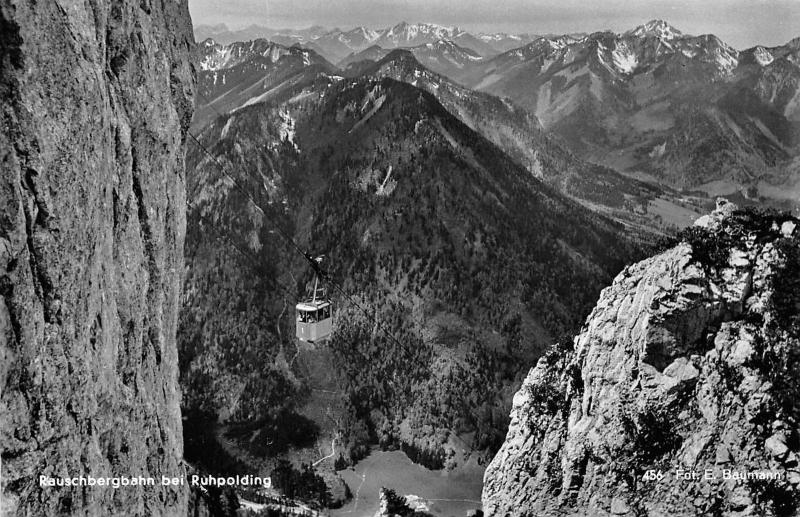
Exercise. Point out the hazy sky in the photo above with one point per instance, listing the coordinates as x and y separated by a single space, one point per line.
741 23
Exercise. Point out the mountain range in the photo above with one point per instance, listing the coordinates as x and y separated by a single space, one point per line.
419 215
229 80
335 44
686 114
240 74
442 56
689 111
518 133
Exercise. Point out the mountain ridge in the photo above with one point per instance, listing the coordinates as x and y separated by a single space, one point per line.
518 133
687 110
243 73
338 43
404 199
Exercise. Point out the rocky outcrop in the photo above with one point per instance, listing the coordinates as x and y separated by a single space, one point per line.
96 100
394 505
684 376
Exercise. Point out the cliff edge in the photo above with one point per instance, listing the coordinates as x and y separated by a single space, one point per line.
96 99
680 395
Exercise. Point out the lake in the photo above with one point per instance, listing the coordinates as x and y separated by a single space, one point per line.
445 493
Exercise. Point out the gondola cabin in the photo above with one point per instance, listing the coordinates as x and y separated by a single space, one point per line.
314 320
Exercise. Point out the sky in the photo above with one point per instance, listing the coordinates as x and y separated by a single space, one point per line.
741 23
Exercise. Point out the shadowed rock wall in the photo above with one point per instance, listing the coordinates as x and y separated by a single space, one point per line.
96 100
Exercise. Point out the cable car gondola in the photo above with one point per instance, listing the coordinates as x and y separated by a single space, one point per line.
315 315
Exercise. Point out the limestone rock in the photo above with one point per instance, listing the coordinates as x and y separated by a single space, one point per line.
687 360
788 228
776 445
713 220
394 505
682 370
96 100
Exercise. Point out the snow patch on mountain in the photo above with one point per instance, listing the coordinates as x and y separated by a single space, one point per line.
624 59
658 151
226 128
601 52
407 32
763 56
657 28
543 102
560 42
726 59
388 185
286 129
219 57
536 167
376 98
497 37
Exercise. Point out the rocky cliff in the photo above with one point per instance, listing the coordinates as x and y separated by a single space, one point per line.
96 99
394 505
685 374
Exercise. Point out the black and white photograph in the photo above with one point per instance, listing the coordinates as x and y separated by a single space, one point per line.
400 258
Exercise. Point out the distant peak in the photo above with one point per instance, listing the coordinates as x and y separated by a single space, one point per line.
763 56
657 24
657 28
425 28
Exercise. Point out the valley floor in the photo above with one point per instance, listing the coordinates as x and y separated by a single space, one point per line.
443 493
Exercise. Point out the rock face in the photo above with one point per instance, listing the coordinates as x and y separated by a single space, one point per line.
96 100
689 361
394 505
